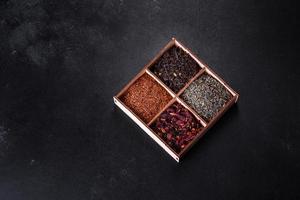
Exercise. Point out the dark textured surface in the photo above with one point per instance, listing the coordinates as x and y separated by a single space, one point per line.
61 137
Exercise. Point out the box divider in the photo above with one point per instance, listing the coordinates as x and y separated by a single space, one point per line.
202 121
208 69
190 81
161 83
162 110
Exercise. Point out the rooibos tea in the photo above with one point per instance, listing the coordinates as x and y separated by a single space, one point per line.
145 97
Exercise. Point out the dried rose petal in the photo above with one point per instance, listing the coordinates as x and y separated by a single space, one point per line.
177 126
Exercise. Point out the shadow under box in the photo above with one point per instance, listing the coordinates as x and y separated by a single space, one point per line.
175 99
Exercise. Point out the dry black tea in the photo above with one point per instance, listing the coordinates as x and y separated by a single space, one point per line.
176 126
206 96
175 68
145 97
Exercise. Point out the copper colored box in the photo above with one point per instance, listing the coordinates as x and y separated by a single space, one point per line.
176 98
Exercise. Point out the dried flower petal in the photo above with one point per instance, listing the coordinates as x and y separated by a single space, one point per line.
177 126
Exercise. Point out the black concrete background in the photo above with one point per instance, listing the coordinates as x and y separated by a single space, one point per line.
61 137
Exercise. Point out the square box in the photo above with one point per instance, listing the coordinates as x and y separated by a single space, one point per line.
176 98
